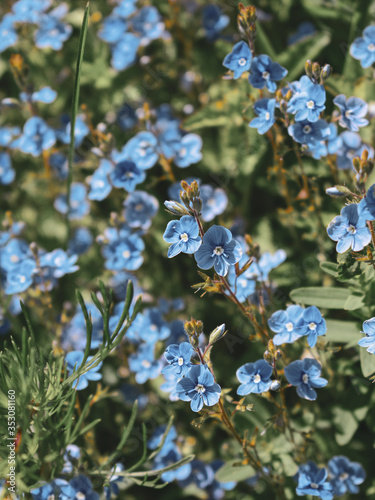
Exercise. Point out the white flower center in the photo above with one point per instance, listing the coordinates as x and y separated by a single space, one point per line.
306 129
183 152
218 250
289 326
138 207
371 47
14 258
180 361
312 326
305 378
145 363
257 378
126 254
242 61
267 116
344 476
310 104
348 113
22 279
351 229
99 184
265 75
200 388
314 485
184 237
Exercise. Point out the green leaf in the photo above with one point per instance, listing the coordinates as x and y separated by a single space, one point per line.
367 362
345 425
329 268
341 332
326 297
231 472
355 301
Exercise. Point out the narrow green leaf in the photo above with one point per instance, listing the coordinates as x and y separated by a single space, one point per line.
367 362
342 332
326 297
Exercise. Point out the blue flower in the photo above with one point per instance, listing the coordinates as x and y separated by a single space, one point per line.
126 117
37 137
199 388
123 251
214 21
173 456
141 150
156 439
140 208
148 24
352 111
83 488
59 164
45 95
254 377
80 241
312 481
72 454
58 488
366 207
125 8
100 187
284 324
7 134
303 31
202 475
52 33
219 250
124 52
29 11
189 151
8 35
178 357
144 365
363 49
79 206
126 175
265 109
345 476
80 131
183 235
305 375
368 341
170 385
265 72
349 229
151 327
351 146
308 103
113 29
60 262
74 360
7 174
312 324
214 201
239 60
309 133
20 277
334 142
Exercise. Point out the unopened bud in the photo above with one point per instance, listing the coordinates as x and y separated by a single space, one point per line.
316 71
217 334
308 68
175 208
356 163
326 71
275 385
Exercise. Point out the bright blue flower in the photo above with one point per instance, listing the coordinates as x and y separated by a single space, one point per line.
170 385
239 59
199 388
265 109
45 95
319 150
114 479
7 134
123 252
124 52
100 187
265 72
313 482
60 262
349 229
305 375
214 21
368 341
144 365
52 33
113 29
219 250
303 31
125 8
13 253
58 488
178 357
126 175
353 111
183 235
141 150
7 174
214 201
140 208
345 476
37 137
80 131
79 206
202 475
83 488
8 35
312 324
19 278
152 327
309 133
148 24
366 207
73 362
284 324
189 151
254 377
29 11
302 86
363 48
308 103
59 164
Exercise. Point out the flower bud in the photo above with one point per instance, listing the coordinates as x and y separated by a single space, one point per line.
308 68
217 334
326 71
316 71
275 385
175 208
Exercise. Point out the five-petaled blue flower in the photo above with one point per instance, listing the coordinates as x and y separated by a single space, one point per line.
353 112
309 133
199 387
184 236
127 175
74 360
349 229
368 341
254 377
178 357
284 324
37 137
345 476
265 109
239 59
313 481
312 324
219 250
366 207
265 72
305 375
309 103
364 48
140 207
